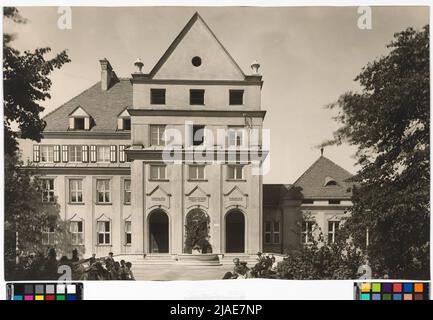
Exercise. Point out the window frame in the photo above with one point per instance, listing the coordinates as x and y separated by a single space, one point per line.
127 193
72 147
197 171
105 191
128 232
307 235
268 232
195 128
78 191
50 195
160 136
232 98
235 168
194 101
333 233
152 97
104 233
49 153
98 159
77 235
78 120
159 176
50 235
239 135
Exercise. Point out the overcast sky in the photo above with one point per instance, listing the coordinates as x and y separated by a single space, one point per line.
308 56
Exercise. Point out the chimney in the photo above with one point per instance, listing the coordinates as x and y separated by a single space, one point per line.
107 74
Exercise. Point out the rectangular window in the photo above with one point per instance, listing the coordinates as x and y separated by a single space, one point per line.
276 232
75 153
235 172
158 172
127 124
268 232
103 153
235 136
127 191
307 231
196 172
103 191
157 137
103 232
196 97
332 230
48 190
76 191
236 97
48 235
47 153
79 123
128 233
157 96
77 232
197 135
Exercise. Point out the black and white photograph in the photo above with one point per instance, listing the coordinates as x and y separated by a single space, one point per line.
216 142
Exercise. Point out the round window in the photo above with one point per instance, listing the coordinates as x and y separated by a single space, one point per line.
196 61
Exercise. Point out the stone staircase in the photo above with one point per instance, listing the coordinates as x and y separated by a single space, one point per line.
171 259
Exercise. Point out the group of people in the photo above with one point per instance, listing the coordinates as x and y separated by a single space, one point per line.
46 267
266 267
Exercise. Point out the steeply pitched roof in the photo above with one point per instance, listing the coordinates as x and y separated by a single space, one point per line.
194 19
311 184
103 106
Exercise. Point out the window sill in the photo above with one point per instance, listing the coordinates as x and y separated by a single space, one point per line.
104 203
197 180
236 180
76 203
127 203
127 244
104 245
159 180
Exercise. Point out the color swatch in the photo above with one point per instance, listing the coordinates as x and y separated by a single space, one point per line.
45 291
392 291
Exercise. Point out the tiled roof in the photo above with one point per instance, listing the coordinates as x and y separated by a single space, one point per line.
103 107
312 183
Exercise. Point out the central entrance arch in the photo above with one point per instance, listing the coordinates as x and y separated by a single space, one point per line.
197 224
158 232
235 232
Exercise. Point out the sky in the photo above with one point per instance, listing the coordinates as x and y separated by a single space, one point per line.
309 56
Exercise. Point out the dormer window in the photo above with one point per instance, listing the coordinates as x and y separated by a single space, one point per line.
329 181
79 119
124 120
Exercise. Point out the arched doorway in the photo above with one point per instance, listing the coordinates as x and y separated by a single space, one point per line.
158 232
197 232
235 232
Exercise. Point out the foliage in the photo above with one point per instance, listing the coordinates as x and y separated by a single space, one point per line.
196 229
26 83
389 122
321 260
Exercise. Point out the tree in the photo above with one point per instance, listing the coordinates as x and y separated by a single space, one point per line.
26 83
389 122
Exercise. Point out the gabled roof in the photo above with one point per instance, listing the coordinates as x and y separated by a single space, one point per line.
194 19
80 112
103 106
311 184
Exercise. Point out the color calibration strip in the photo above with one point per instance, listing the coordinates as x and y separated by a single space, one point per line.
392 291
44 291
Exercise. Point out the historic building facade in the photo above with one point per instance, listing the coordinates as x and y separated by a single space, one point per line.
102 156
103 160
